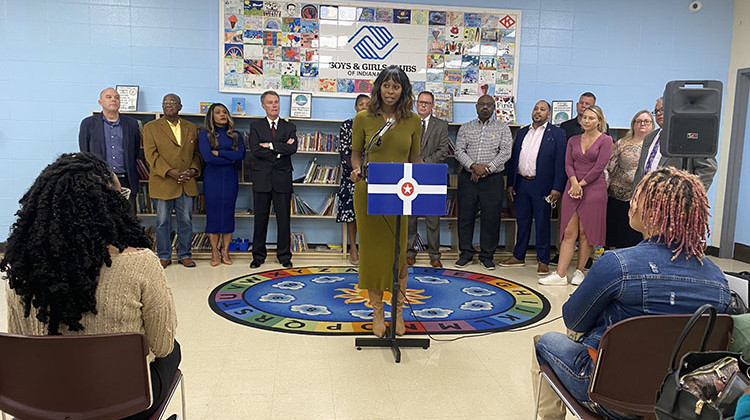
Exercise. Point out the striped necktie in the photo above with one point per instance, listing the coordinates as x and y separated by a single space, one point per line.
421 140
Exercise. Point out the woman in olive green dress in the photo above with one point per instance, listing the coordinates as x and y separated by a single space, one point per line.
391 98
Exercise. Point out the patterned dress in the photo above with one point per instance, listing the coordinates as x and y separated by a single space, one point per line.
621 168
345 212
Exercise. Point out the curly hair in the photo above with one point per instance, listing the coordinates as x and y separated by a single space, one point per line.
210 126
59 241
405 102
675 209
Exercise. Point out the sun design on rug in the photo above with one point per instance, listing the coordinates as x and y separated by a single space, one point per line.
357 295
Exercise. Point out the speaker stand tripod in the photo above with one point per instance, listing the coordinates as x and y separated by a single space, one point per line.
390 340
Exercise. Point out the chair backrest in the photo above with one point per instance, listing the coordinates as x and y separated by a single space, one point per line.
74 376
635 354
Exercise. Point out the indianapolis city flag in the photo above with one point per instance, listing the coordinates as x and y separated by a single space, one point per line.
406 188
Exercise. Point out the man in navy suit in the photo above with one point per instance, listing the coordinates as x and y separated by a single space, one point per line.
536 178
115 138
273 141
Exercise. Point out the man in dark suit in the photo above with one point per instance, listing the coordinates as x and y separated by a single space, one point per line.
434 148
651 157
536 178
273 141
114 138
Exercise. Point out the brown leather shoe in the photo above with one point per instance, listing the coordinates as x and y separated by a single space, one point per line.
512 262
542 269
436 263
410 261
165 263
187 262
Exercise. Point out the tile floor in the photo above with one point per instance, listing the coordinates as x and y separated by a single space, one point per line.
237 372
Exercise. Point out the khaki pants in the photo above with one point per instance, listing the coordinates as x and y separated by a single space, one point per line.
551 406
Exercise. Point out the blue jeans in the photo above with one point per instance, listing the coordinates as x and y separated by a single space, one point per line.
183 207
572 363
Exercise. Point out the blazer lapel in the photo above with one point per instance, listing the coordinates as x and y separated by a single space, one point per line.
99 127
168 131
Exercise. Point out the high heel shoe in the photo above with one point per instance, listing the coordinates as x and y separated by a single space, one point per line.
215 258
225 258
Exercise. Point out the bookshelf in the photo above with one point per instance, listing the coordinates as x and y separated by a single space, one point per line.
316 234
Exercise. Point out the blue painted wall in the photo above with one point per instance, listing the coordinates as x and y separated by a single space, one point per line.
55 57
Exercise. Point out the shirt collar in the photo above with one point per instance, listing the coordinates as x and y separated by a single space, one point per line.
174 125
273 121
543 126
112 124
426 119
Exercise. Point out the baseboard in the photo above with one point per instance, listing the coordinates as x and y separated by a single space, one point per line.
742 252
712 251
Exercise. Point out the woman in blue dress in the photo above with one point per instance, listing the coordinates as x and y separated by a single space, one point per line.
222 149
345 213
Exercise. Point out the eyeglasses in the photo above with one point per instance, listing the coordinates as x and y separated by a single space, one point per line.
425 103
658 112
170 103
643 122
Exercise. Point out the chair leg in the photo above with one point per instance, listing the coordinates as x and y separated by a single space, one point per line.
182 395
538 394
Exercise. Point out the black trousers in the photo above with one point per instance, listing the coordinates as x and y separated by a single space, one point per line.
484 195
282 207
163 370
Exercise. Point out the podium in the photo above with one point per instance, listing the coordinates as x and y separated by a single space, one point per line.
403 189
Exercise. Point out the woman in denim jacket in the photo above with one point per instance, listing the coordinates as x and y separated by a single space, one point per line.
667 273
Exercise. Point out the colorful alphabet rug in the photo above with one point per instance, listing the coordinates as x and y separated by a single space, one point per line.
326 301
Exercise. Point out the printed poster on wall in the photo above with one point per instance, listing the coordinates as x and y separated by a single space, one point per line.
337 49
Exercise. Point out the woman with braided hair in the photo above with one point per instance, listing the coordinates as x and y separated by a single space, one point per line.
666 273
78 263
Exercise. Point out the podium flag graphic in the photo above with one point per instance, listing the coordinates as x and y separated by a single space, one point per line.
406 188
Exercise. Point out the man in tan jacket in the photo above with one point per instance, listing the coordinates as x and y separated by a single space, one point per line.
171 148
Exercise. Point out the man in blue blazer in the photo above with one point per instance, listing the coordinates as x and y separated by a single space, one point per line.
536 179
273 141
116 139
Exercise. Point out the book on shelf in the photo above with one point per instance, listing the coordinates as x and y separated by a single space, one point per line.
321 174
330 206
450 206
142 167
300 206
144 200
299 244
317 142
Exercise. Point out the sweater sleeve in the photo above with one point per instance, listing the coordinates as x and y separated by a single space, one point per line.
159 317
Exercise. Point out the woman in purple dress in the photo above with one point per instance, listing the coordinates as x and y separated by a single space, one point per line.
584 205
221 148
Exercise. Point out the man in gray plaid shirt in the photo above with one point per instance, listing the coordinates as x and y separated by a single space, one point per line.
483 146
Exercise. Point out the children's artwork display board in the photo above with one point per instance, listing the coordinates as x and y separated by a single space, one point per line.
337 49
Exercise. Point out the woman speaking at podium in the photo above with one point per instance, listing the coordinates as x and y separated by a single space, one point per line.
387 131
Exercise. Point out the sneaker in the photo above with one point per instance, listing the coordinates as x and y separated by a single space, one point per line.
461 263
554 280
553 260
488 264
577 278
512 262
589 263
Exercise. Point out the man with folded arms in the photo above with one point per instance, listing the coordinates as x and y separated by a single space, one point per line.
171 148
536 179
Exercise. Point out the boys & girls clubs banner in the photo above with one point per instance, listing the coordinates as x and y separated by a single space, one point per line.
337 49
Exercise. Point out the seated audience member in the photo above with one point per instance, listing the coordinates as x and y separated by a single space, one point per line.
621 169
669 207
78 263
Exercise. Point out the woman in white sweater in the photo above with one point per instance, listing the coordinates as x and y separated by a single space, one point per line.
78 263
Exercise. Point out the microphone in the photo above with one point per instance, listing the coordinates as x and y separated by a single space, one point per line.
379 135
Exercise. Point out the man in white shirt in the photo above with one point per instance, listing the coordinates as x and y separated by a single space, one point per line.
434 148
536 179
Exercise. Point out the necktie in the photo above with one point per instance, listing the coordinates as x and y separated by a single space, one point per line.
421 140
652 155
273 130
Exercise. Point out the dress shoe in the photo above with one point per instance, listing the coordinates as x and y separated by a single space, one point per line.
512 262
435 263
187 262
542 269
410 261
165 263
287 264
256 264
